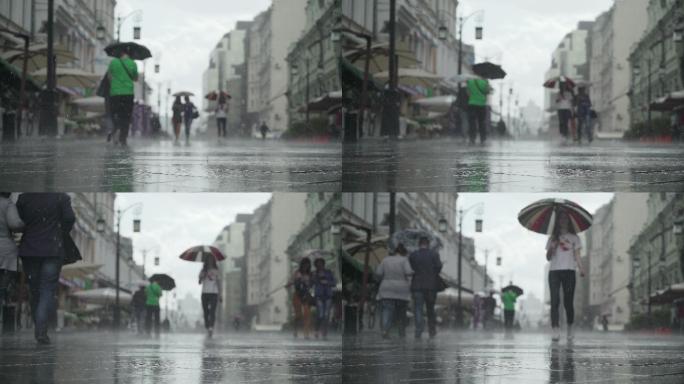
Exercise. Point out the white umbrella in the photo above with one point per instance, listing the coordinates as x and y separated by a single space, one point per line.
92 104
436 103
103 296
70 77
37 56
412 77
450 297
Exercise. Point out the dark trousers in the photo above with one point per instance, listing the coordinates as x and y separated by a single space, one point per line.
565 280
477 121
564 116
209 301
140 319
188 126
122 110
394 312
43 276
428 299
152 318
509 314
221 125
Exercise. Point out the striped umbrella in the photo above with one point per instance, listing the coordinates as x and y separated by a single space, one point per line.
541 216
199 252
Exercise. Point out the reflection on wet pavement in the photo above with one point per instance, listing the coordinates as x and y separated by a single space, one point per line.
190 358
162 166
521 358
517 166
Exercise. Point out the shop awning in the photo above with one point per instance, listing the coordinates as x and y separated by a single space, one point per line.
79 270
669 102
325 103
352 77
11 76
668 295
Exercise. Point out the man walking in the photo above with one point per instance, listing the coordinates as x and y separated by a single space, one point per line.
478 89
123 72
509 298
153 292
48 219
426 267
138 302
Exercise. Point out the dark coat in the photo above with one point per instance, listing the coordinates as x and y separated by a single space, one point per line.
426 266
47 218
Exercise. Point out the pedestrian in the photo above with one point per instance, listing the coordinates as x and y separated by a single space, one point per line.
478 89
190 113
676 120
210 279
48 219
221 117
508 298
477 310
488 306
264 130
394 273
177 117
302 299
604 323
563 253
123 72
564 106
9 223
138 304
323 282
583 106
152 294
426 267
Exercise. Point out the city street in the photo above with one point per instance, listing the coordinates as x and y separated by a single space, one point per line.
517 166
522 358
162 166
175 358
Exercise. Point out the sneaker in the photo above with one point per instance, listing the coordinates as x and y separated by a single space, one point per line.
571 333
555 334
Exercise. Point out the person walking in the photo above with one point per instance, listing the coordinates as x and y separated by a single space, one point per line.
9 223
478 89
189 115
563 253
509 298
488 306
564 106
477 310
138 304
209 277
177 117
301 299
48 219
221 117
426 267
264 130
323 282
152 294
394 273
583 105
123 72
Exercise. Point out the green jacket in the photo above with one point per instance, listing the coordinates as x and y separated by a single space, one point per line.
153 292
121 81
478 89
509 298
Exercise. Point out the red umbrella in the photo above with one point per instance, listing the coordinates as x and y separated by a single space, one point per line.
541 216
199 252
551 83
213 95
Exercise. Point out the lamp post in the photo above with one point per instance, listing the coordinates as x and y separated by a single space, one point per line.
136 29
48 115
390 111
24 70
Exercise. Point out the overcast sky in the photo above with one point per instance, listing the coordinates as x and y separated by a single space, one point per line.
174 222
522 251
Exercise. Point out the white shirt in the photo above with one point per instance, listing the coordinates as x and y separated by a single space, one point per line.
563 257
564 102
221 112
210 281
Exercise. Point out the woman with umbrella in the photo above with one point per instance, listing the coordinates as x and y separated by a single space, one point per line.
209 277
562 220
564 102
302 298
122 72
177 118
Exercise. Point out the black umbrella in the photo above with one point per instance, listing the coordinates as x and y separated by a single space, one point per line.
518 291
165 281
135 51
489 70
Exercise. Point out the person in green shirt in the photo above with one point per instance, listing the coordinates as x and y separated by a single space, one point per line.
123 73
478 89
152 294
509 298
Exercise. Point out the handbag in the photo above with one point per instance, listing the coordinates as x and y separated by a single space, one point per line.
105 86
441 284
71 252
195 113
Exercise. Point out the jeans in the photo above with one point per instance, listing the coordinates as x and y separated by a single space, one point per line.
122 110
509 314
151 316
140 319
323 306
564 116
477 120
188 125
209 301
43 276
565 279
428 299
584 120
221 125
394 311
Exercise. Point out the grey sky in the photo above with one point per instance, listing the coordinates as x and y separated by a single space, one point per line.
181 34
173 222
522 251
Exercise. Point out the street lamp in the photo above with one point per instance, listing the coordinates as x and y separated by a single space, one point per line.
443 32
100 225
478 228
443 225
100 32
136 29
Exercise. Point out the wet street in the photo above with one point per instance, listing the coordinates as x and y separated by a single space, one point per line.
518 166
523 358
175 358
162 166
